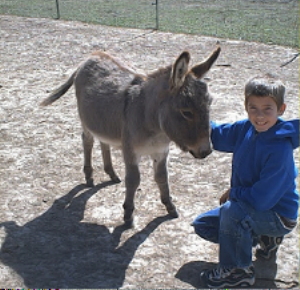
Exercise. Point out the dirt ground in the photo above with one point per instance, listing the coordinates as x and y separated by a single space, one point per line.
55 232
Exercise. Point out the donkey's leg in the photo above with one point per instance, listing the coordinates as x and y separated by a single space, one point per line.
108 168
88 142
161 178
132 181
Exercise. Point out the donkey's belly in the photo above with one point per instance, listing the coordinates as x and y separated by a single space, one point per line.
154 145
116 143
102 116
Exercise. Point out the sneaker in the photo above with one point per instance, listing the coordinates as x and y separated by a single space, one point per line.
223 278
268 247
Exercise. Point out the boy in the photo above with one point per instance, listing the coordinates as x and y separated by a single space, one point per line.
262 199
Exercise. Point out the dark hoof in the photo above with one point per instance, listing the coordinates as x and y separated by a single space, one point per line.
128 224
173 213
90 182
116 179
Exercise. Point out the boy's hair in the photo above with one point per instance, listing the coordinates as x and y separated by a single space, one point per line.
265 86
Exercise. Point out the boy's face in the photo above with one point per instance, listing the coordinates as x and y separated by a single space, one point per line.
263 112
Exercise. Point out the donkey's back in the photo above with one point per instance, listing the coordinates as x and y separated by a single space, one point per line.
100 86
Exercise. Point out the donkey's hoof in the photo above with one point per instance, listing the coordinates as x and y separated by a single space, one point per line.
171 209
128 224
173 213
115 179
128 218
90 182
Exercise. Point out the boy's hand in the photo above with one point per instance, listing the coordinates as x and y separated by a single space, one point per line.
225 196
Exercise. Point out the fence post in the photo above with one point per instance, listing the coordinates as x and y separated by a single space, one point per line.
156 15
57 9
157 24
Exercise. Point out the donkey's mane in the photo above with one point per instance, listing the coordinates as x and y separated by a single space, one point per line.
161 71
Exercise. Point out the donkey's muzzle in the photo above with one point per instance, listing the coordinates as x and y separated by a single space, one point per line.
202 154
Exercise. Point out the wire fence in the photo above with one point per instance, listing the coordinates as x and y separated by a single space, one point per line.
267 21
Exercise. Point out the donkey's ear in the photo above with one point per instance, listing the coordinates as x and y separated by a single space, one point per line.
179 70
201 69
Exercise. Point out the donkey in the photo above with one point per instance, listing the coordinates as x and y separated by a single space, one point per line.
141 114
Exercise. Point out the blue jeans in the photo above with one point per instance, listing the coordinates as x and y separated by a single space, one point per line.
235 226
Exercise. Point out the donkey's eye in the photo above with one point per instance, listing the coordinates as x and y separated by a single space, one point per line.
187 114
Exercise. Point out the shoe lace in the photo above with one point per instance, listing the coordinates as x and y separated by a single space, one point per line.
220 273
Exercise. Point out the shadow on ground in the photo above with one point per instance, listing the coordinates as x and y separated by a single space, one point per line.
57 250
266 271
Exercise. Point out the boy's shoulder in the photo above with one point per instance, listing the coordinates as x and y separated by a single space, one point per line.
243 124
239 123
288 130
288 126
237 128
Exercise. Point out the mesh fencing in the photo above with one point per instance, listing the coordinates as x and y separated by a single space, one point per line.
267 21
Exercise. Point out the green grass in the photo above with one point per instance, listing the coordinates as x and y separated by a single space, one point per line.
267 21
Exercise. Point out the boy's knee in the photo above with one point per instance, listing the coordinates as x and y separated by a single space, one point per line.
207 233
207 228
232 216
231 211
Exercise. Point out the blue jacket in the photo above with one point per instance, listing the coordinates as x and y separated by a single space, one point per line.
263 167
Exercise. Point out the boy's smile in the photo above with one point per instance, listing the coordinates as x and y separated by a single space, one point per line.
263 112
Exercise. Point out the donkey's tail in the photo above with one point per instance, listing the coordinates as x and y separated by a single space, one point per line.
55 95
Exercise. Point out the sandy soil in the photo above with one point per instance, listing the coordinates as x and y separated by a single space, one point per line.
54 232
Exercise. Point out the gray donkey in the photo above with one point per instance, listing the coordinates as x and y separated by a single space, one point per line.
141 114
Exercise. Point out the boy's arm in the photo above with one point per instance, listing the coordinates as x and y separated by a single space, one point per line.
275 178
225 136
